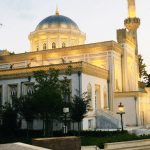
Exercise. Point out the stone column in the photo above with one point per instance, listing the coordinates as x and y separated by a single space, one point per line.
112 79
48 42
125 70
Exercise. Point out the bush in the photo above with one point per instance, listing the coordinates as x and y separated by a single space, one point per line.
99 141
39 133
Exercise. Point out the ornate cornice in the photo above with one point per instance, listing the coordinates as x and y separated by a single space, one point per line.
130 94
85 68
67 51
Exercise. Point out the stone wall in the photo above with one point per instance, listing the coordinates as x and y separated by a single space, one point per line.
59 143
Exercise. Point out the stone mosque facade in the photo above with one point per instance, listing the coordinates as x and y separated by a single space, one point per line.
108 71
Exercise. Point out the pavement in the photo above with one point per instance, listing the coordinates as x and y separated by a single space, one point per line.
20 146
140 130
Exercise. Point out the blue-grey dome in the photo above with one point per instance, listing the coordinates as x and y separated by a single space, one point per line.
57 21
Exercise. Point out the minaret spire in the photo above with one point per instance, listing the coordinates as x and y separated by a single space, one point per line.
132 23
131 9
57 12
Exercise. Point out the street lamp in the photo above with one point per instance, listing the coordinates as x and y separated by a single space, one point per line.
121 112
65 110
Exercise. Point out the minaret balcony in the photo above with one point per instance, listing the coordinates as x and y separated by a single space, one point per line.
132 23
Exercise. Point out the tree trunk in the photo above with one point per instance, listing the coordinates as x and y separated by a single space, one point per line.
73 129
43 127
46 127
78 129
51 128
27 128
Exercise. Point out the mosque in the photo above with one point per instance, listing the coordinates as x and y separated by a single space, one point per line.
108 71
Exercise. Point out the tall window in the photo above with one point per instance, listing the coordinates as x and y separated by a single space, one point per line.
28 89
63 44
89 92
37 48
90 123
44 46
12 92
53 45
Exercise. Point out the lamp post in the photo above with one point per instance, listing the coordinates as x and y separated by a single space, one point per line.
121 112
65 110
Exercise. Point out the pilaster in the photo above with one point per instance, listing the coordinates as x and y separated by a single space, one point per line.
112 79
59 42
125 69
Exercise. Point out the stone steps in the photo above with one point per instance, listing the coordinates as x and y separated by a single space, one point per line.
129 145
90 147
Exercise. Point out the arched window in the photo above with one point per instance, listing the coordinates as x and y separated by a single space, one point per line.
12 92
53 45
89 92
63 44
44 46
29 90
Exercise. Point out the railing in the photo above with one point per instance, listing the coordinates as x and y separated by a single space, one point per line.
114 118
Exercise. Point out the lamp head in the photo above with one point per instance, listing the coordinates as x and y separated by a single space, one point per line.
120 107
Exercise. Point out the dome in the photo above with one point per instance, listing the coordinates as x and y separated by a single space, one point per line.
57 21
56 31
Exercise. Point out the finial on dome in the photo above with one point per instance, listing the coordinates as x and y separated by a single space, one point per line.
57 12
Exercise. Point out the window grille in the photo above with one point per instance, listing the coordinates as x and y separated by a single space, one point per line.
13 92
90 123
53 45
44 46
63 44
28 89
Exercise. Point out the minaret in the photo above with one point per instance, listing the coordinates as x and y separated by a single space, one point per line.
132 23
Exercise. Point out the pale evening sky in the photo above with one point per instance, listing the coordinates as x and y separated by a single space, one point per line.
99 19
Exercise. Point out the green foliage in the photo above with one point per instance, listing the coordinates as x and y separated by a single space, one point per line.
49 96
25 107
147 80
9 118
79 108
142 66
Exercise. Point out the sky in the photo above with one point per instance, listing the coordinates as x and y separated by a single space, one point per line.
99 19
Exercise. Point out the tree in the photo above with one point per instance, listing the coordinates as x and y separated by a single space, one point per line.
147 80
79 108
142 66
49 96
25 107
9 118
